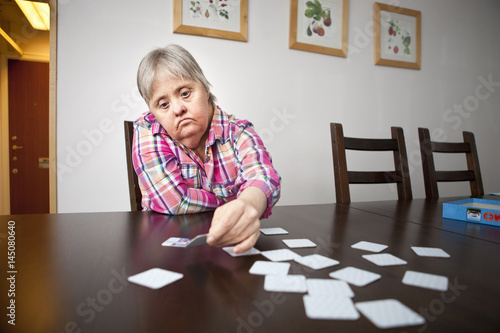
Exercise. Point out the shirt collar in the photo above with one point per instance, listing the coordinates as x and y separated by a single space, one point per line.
219 123
156 128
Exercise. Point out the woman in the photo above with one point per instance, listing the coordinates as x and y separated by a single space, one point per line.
190 156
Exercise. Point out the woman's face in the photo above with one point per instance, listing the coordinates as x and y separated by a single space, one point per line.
182 107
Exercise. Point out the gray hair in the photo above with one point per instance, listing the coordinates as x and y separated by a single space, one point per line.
174 61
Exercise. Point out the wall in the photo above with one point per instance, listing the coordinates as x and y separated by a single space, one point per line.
291 96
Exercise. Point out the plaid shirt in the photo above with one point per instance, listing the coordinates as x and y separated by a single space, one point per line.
174 180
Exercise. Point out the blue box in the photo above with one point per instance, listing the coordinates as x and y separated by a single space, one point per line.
473 210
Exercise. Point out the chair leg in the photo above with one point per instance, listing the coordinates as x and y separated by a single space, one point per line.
342 193
476 185
401 165
428 167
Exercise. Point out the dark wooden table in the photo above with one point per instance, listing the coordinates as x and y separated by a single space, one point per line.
71 272
428 213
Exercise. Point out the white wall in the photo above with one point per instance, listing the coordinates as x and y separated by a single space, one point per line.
291 96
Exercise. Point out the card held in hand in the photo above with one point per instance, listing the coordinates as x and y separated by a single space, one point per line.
186 242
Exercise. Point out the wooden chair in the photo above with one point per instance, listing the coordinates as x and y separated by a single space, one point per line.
343 177
432 177
133 180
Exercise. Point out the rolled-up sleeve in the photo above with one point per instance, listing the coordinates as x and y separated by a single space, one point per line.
256 168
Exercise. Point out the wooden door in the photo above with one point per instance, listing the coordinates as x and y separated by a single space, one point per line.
29 136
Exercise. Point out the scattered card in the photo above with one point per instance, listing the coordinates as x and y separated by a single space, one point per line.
330 307
355 276
273 231
323 287
186 242
430 252
384 259
369 246
269 268
389 313
425 280
230 251
296 243
316 261
285 283
280 255
155 278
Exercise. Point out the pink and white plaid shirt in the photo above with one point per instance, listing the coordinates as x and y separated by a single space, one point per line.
174 180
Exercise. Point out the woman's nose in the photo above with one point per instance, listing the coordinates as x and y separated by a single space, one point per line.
179 108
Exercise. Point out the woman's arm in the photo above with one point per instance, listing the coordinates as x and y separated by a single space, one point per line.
238 221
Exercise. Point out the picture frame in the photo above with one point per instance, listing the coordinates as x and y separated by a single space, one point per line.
226 19
319 26
397 34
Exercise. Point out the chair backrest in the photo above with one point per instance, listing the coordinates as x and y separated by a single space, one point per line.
133 180
432 177
343 177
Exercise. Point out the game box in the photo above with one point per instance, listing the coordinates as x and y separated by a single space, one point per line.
473 210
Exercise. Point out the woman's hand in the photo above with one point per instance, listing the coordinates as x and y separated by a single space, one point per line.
238 221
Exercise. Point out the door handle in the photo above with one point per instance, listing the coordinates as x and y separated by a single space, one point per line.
16 147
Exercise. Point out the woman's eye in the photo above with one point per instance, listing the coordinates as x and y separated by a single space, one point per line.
185 94
164 105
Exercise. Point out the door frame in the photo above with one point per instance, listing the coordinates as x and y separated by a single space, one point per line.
4 115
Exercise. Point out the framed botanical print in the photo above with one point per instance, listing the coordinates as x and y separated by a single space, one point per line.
319 26
226 19
396 36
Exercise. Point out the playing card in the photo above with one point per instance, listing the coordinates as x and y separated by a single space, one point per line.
186 242
296 243
176 241
273 231
330 307
285 283
384 259
430 252
425 280
369 246
198 240
316 261
230 251
389 313
323 287
155 278
280 255
355 276
269 268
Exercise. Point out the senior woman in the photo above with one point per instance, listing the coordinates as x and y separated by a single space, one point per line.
190 156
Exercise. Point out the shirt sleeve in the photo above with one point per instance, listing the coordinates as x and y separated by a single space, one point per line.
162 186
256 167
